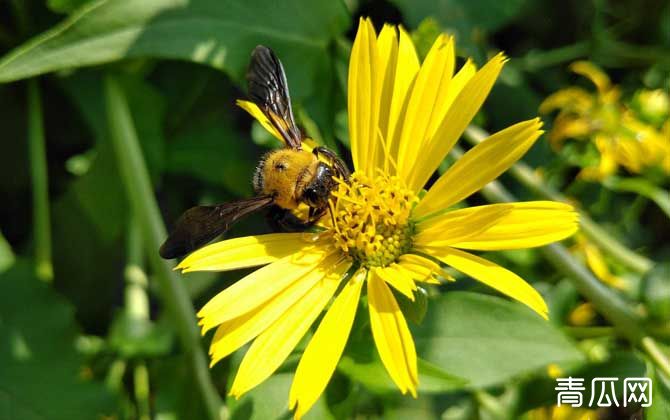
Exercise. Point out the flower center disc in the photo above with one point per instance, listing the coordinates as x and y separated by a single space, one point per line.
372 218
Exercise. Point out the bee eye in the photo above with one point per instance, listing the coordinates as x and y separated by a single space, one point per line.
280 166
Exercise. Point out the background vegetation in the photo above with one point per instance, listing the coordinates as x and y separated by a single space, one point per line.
119 114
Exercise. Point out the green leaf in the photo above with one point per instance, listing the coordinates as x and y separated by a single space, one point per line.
488 340
270 401
374 377
65 6
413 310
463 17
41 374
174 389
211 151
214 32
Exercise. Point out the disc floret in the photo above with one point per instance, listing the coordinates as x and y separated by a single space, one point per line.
372 218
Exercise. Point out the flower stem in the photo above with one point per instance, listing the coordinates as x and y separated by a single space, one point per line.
656 354
40 181
140 194
626 321
137 308
525 175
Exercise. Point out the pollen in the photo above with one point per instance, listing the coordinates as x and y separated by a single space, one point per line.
372 218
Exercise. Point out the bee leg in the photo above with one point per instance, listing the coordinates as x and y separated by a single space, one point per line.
315 214
338 164
283 220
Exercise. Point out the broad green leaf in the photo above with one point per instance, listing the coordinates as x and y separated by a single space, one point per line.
269 401
213 32
373 376
467 19
488 340
65 6
461 15
41 374
174 390
211 151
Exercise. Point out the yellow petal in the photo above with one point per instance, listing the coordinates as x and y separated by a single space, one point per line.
392 337
258 287
274 345
320 358
492 275
406 69
594 74
479 166
425 109
249 251
573 98
253 110
256 112
234 333
458 225
524 225
363 96
387 43
420 268
398 279
596 262
459 115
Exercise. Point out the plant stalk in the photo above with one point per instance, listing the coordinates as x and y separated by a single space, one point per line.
40 184
135 179
137 308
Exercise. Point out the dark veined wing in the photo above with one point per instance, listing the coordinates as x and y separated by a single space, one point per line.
268 89
199 225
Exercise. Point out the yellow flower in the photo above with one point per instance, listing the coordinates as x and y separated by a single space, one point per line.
404 117
595 260
619 135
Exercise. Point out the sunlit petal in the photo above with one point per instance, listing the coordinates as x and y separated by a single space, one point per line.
459 115
407 67
274 345
421 268
425 108
248 251
398 279
492 275
259 287
458 225
323 352
363 96
524 225
234 333
479 166
392 337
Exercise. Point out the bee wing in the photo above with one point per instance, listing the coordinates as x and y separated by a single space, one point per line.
268 89
199 225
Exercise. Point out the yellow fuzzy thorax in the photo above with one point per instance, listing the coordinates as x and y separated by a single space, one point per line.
372 218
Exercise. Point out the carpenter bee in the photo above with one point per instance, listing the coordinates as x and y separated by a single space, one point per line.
283 179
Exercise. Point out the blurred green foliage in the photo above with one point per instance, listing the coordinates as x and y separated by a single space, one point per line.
69 351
